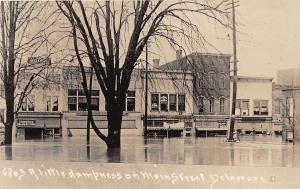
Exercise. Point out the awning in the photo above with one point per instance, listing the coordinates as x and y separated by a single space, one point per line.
174 126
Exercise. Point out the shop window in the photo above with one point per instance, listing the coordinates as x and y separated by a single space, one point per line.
211 105
173 102
154 102
130 106
222 105
260 107
164 102
181 103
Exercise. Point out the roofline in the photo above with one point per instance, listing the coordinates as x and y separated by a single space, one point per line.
253 77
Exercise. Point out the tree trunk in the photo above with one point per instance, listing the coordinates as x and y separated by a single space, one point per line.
114 118
9 119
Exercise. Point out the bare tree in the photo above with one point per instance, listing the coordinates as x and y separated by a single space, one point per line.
113 34
23 29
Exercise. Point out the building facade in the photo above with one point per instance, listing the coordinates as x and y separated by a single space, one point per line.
57 104
211 86
254 105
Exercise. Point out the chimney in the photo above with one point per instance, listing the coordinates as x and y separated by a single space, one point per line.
178 54
155 63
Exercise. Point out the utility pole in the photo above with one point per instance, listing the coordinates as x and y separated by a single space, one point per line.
89 121
146 94
234 87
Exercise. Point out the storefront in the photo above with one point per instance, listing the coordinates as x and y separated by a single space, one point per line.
31 125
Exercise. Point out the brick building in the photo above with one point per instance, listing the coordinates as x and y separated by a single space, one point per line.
211 89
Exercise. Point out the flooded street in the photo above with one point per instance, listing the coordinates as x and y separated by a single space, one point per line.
267 151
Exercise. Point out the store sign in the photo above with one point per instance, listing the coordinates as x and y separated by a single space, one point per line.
25 123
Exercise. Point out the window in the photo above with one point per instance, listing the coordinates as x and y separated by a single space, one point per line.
242 107
211 81
164 102
222 105
201 80
260 107
277 106
222 81
2 93
72 99
201 104
211 105
173 102
55 103
77 100
181 103
130 101
28 103
154 102
51 103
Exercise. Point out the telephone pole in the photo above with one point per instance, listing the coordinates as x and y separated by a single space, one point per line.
146 94
234 86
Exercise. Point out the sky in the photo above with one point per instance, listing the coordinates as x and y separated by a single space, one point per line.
268 37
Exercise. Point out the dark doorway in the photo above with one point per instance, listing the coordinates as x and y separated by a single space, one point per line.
33 133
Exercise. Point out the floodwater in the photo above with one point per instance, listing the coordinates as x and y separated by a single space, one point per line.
266 151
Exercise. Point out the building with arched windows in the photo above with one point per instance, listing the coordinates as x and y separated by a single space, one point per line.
211 89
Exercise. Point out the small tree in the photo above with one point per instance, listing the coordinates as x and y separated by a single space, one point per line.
23 27
113 34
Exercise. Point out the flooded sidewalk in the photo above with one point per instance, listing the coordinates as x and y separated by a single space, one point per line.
253 151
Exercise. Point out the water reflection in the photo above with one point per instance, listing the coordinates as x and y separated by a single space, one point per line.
251 151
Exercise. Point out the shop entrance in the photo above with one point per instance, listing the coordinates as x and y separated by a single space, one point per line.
33 133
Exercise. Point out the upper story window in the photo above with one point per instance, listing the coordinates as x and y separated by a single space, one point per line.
260 107
222 105
211 80
164 102
277 106
201 80
2 91
211 105
167 102
130 101
154 102
77 100
242 107
28 103
51 103
201 104
173 102
181 103
222 81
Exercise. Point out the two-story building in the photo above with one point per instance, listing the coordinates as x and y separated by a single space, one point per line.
211 89
254 105
57 104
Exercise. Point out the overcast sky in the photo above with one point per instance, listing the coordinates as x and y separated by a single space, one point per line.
268 38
